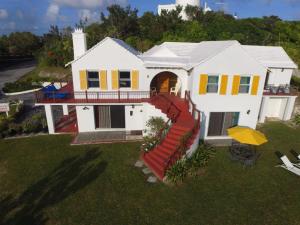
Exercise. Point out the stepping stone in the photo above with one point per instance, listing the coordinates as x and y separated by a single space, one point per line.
152 179
146 171
139 164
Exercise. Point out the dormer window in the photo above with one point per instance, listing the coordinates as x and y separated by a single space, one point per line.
124 79
93 79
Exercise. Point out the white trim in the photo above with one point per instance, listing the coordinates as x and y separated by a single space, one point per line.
22 92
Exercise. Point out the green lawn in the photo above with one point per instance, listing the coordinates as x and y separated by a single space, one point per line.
44 180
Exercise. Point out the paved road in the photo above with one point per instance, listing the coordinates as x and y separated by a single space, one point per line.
12 74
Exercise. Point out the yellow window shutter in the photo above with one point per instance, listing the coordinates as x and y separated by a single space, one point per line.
115 79
103 80
203 84
83 80
255 84
224 82
135 80
236 84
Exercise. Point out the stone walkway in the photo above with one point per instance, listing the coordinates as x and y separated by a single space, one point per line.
151 178
104 137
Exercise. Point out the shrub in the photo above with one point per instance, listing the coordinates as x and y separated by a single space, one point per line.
155 124
149 143
296 119
19 86
3 127
200 158
14 129
178 171
35 124
295 81
190 166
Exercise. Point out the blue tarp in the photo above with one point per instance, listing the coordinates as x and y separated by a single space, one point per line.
52 92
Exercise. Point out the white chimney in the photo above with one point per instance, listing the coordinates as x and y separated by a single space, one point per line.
79 42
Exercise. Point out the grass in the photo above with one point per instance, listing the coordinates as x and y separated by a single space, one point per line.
43 180
59 72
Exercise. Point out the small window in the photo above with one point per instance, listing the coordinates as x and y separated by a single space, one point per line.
213 84
124 79
244 85
93 80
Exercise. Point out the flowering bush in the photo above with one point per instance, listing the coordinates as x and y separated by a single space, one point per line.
149 143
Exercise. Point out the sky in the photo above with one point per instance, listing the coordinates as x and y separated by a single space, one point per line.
37 15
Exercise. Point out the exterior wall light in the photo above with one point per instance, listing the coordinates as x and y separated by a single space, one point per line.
249 111
86 108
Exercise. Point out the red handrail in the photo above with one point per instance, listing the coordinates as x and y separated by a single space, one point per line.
182 148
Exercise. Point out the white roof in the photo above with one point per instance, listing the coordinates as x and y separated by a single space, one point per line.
271 56
183 55
118 41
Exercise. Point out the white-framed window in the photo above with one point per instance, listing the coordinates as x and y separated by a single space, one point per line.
93 79
245 84
124 79
212 84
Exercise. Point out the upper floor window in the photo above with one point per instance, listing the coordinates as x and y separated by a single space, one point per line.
93 79
124 79
244 85
212 84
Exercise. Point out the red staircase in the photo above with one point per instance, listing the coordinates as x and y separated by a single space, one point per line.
67 124
170 148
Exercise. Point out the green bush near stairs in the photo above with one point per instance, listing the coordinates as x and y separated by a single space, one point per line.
296 119
155 126
190 166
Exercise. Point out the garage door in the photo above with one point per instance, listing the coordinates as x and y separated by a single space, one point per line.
276 107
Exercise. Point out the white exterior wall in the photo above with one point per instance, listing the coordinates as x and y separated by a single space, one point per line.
141 114
108 56
232 61
85 118
279 76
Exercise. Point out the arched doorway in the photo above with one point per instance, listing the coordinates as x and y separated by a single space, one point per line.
165 81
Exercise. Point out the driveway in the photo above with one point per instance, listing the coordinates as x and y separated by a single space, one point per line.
13 73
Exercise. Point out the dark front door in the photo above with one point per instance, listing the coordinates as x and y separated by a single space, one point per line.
117 114
109 116
215 124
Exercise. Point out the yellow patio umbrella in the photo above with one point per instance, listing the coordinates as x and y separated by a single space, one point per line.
246 135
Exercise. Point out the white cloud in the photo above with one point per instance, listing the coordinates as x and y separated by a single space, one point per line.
52 13
89 4
89 15
3 14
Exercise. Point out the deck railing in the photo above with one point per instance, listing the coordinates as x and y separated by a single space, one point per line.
92 97
280 90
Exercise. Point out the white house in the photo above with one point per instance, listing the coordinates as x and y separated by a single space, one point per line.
215 85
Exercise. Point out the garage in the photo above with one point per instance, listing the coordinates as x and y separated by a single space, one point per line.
276 107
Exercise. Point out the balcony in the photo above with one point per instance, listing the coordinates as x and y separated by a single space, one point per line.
281 90
66 95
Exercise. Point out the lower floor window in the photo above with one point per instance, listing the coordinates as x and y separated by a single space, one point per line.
219 122
109 116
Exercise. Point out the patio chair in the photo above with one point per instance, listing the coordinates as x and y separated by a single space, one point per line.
175 90
153 91
287 164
